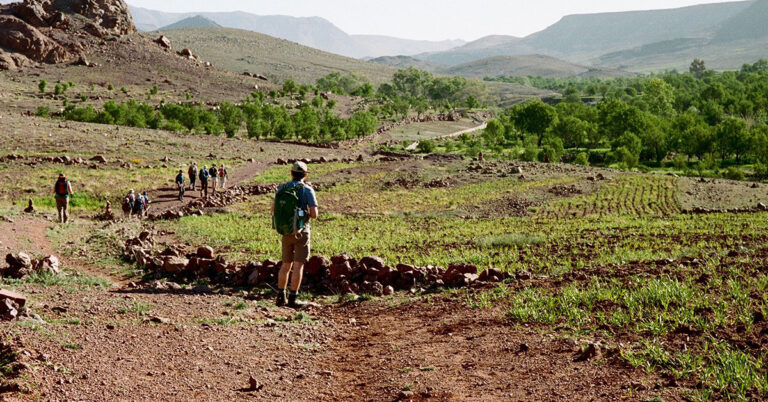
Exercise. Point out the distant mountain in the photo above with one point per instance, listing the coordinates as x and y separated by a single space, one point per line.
311 31
406 62
523 66
240 50
378 45
749 24
622 39
197 21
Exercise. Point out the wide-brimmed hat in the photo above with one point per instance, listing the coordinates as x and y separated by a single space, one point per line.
299 167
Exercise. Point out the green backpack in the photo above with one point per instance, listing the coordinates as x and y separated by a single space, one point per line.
286 219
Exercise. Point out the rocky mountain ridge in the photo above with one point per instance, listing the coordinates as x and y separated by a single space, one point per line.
58 31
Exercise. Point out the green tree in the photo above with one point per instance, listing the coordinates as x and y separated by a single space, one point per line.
732 138
231 118
698 68
534 117
289 87
494 132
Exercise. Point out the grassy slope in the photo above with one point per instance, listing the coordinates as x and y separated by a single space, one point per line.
237 50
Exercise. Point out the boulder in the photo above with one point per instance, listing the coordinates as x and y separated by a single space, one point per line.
205 252
20 260
20 37
186 52
761 206
9 310
32 12
163 41
49 264
15 297
175 264
316 265
99 159
373 262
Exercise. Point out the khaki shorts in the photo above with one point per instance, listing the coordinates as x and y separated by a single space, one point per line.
296 247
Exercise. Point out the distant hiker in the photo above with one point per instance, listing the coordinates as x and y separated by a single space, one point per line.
295 204
180 184
141 205
193 176
222 177
204 182
61 191
128 202
214 173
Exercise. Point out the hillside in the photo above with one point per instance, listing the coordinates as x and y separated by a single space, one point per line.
240 50
406 62
197 21
749 24
527 65
314 32
379 45
622 39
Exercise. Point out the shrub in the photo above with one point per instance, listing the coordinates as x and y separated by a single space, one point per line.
680 162
41 86
111 87
58 89
581 159
153 90
83 98
43 111
426 146
734 173
530 154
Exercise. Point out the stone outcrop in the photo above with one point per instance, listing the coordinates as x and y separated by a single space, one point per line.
45 31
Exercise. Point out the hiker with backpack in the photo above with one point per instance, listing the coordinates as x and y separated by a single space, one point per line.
192 172
180 184
204 182
295 204
222 177
214 173
61 192
128 202
141 205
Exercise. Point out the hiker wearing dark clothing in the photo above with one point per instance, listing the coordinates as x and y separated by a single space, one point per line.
214 173
180 184
295 204
222 177
204 182
61 192
192 172
128 202
141 205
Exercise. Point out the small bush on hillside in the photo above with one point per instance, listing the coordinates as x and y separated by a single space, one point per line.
58 89
83 98
110 87
680 162
581 159
43 111
734 173
153 90
41 86
426 146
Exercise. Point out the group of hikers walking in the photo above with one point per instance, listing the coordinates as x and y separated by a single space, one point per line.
295 204
136 204
213 178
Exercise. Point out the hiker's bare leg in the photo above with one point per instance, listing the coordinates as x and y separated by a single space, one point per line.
297 273
282 277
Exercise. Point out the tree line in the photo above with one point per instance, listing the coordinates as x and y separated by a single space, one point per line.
703 115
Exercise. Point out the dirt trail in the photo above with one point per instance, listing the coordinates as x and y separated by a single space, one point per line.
167 198
436 349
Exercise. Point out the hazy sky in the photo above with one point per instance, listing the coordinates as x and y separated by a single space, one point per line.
423 19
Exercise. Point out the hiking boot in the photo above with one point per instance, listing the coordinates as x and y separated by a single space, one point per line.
280 302
296 304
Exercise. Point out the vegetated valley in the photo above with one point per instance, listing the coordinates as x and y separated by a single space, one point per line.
575 238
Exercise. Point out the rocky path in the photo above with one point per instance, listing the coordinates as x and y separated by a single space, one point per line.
167 198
